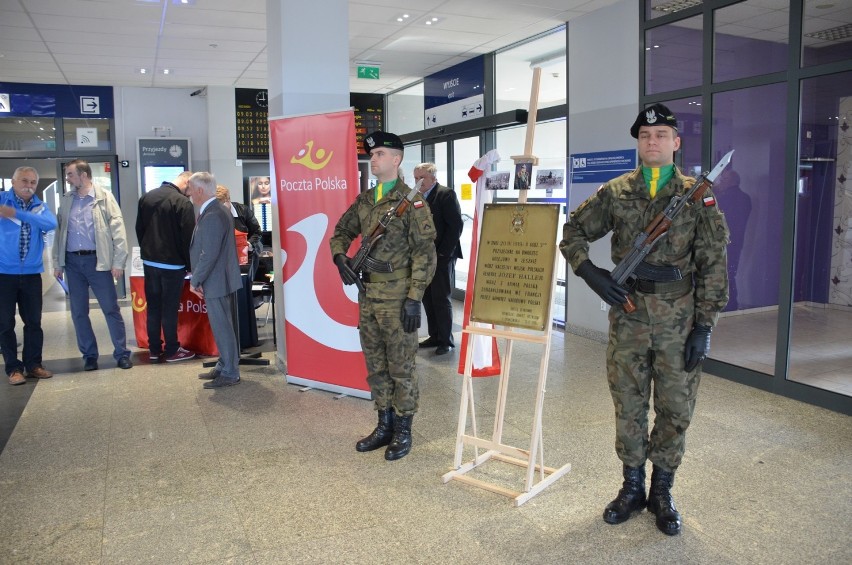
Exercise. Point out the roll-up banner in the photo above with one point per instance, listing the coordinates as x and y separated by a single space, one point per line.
315 168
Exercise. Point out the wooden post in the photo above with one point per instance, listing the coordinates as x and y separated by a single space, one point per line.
532 116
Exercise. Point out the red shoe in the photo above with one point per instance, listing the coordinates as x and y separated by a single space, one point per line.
180 355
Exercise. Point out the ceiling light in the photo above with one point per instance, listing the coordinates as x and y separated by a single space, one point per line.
143 71
839 33
166 71
677 6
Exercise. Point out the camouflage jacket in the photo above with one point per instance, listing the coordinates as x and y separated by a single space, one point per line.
695 243
408 243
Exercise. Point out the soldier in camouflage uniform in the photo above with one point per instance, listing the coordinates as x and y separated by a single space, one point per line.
390 307
665 340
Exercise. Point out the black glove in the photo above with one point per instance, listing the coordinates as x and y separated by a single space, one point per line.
410 315
345 269
601 282
697 347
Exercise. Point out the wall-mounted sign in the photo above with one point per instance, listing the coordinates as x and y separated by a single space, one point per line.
368 72
252 123
455 94
601 166
60 100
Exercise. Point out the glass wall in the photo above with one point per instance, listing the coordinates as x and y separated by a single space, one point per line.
737 54
27 134
405 110
822 283
87 134
673 56
785 195
514 72
826 32
751 194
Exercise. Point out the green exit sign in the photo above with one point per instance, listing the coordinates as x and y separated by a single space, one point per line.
368 72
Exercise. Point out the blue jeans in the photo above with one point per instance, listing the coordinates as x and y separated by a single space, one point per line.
23 291
80 275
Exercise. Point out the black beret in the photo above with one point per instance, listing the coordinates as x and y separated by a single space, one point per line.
383 139
656 115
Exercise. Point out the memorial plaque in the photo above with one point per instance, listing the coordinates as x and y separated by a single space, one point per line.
252 123
514 266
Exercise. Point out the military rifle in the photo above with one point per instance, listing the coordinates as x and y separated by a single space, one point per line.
362 260
625 272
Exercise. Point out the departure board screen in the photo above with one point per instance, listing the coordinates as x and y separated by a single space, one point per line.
252 124
369 116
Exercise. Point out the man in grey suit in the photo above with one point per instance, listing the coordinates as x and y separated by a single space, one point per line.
215 275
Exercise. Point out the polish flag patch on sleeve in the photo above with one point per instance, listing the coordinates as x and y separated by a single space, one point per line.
709 201
418 203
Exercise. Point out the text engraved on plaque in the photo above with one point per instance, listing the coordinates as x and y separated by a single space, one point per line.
514 266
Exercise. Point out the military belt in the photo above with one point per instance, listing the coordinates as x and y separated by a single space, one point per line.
656 287
368 277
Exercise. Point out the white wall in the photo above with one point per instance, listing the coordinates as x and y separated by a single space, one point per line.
603 94
137 112
222 141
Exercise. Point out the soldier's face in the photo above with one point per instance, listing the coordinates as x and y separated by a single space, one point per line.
657 145
384 163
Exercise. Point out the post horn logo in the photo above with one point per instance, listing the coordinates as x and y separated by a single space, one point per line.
305 157
138 303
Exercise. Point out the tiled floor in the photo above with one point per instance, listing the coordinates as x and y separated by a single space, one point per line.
144 466
821 346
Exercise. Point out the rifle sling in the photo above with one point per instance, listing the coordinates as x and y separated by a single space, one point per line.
397 274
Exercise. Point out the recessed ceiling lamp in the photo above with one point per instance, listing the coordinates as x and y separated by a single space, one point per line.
143 71
839 33
677 6
166 71
402 18
431 21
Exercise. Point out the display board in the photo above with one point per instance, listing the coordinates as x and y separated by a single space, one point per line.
514 266
252 123
161 159
369 117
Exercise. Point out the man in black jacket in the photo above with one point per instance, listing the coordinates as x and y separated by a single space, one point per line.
164 227
446 213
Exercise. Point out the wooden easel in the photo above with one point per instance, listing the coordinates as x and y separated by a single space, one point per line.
533 457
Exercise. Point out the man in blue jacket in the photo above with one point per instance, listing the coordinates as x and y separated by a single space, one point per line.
24 221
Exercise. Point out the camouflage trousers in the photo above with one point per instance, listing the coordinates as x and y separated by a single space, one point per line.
638 355
390 354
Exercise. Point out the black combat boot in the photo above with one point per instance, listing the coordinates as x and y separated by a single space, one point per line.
400 445
630 499
381 436
661 503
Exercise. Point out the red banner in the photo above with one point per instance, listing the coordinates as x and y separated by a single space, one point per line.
315 170
194 331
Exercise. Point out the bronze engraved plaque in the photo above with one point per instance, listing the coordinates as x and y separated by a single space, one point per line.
514 266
